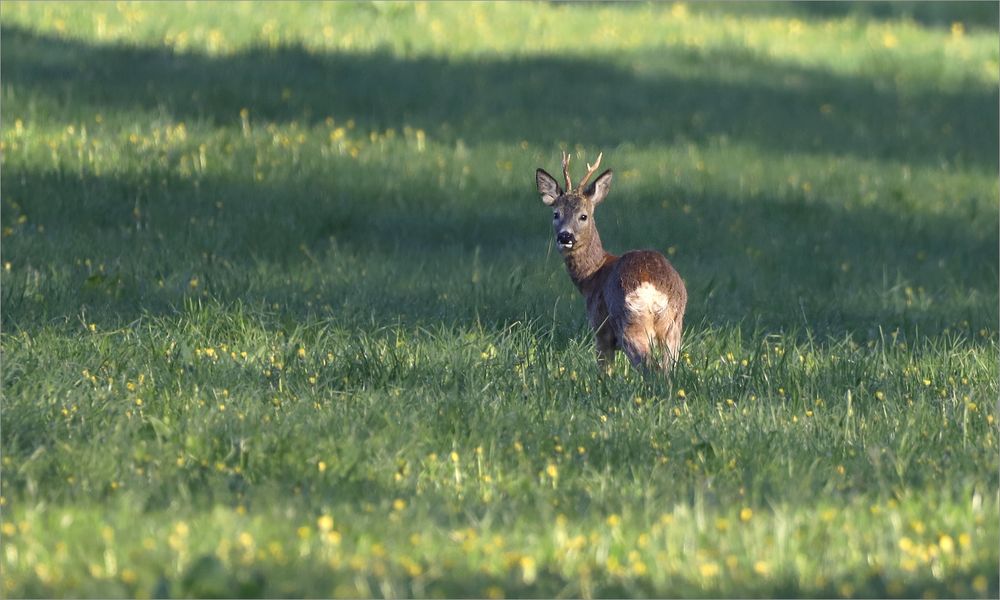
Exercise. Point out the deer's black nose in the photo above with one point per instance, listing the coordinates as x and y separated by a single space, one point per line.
565 238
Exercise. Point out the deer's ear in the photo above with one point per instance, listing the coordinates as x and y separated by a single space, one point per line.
598 190
547 187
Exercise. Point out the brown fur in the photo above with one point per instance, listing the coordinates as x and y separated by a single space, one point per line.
636 301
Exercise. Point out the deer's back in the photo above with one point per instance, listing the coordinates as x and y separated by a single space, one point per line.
643 282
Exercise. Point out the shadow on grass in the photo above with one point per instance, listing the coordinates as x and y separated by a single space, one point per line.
541 99
320 251
314 246
932 14
928 14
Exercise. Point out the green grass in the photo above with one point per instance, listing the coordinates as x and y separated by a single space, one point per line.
282 315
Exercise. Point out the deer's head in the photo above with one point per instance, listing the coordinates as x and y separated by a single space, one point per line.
573 209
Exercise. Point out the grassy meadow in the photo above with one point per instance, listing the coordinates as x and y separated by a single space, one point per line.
282 314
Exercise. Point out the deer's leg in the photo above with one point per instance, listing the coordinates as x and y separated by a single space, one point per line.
670 342
604 340
636 344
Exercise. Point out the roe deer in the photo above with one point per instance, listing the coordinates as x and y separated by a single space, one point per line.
635 301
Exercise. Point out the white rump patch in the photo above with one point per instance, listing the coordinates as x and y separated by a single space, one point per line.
647 299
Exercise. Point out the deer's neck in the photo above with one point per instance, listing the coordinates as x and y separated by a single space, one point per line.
586 264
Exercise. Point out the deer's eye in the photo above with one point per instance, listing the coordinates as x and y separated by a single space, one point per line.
583 217
555 215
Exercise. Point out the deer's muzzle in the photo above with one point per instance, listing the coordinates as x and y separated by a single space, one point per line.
566 239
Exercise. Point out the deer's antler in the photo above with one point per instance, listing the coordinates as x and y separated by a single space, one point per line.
569 184
590 171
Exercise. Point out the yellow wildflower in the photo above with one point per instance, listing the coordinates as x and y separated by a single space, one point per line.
325 523
708 570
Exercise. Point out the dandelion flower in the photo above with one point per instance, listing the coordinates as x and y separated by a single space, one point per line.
325 523
980 584
529 569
